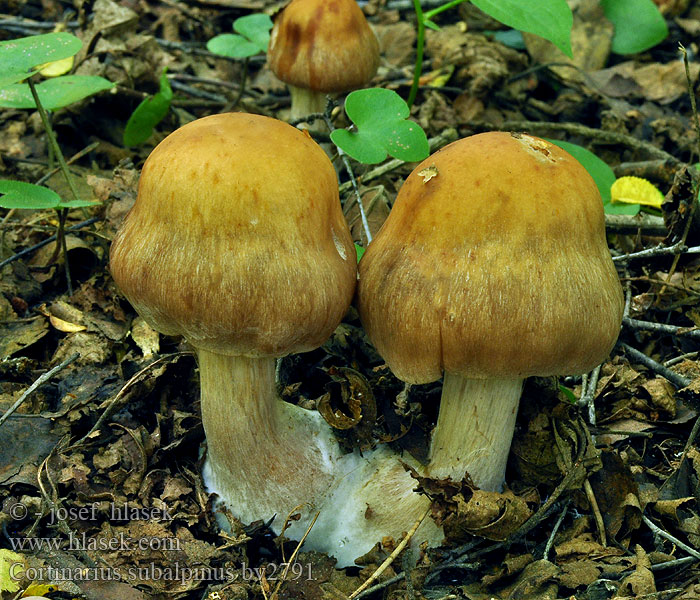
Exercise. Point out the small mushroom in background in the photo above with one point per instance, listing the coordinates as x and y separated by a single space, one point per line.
320 47
492 269
237 242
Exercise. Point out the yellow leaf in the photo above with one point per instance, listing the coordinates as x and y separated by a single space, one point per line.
9 570
57 67
635 190
438 77
39 589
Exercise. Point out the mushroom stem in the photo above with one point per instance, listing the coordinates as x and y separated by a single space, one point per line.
264 456
305 102
474 429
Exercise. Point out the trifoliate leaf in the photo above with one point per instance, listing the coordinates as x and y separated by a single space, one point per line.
256 28
382 128
635 190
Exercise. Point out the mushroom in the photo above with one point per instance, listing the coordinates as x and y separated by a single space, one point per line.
238 243
492 267
319 47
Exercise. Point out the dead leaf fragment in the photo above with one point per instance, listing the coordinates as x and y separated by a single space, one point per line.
428 173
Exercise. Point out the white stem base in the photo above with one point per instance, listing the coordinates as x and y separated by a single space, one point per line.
474 430
266 457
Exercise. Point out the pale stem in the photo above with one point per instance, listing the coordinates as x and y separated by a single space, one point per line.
264 456
474 430
306 102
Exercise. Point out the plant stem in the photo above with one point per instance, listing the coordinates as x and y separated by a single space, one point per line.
244 77
436 11
53 143
420 42
61 236
62 213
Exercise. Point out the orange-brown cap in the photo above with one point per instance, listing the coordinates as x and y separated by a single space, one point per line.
237 240
323 45
492 263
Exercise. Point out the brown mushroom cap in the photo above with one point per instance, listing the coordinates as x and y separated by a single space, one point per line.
323 45
496 266
237 239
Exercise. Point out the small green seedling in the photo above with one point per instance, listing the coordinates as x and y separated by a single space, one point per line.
252 37
20 61
380 118
148 114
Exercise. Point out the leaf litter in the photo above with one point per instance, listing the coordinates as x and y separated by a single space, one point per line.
121 428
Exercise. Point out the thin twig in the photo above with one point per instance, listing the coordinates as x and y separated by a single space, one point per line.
39 382
677 380
114 403
691 332
664 534
283 577
47 241
385 565
673 564
590 383
595 509
676 249
348 168
632 224
380 586
557 525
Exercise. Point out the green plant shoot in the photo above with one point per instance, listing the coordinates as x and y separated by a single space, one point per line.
148 114
380 118
20 60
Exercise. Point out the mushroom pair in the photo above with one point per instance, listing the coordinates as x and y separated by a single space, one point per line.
237 242
493 264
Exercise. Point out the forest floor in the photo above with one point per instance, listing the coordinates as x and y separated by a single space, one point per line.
608 504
